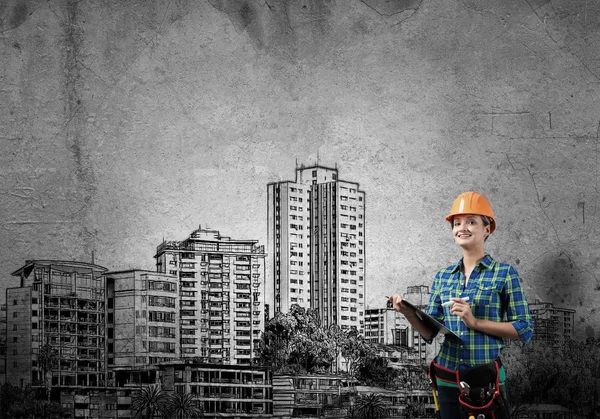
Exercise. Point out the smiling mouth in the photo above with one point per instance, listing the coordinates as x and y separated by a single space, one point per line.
463 236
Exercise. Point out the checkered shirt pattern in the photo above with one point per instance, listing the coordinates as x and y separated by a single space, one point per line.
495 293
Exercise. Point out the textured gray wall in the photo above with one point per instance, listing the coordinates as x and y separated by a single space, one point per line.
125 122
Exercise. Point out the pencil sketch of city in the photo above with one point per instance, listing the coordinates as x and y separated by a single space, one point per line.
204 205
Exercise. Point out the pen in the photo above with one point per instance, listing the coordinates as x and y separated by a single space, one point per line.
449 303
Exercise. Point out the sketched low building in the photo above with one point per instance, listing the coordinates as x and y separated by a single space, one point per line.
311 396
553 325
546 411
386 326
223 391
403 404
334 396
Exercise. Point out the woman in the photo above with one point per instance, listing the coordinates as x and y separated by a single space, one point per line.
471 299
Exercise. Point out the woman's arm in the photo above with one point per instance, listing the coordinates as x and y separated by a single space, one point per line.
518 324
503 330
424 329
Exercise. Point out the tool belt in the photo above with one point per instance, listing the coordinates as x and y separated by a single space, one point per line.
479 389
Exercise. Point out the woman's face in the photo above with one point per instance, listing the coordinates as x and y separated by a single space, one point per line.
469 230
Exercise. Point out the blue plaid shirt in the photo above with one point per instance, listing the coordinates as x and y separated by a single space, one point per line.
495 293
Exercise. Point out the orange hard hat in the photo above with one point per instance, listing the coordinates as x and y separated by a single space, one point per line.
472 203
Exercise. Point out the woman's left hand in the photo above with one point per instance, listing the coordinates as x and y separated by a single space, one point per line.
463 310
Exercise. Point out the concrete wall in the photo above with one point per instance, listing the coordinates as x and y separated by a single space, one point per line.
126 122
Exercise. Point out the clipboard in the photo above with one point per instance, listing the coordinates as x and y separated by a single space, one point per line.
430 321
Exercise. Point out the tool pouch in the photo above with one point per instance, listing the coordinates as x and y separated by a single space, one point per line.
482 398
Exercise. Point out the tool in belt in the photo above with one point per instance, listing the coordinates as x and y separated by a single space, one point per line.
480 396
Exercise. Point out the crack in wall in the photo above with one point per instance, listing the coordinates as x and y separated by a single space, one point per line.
19 14
240 13
596 167
149 42
510 162
75 124
269 6
477 12
401 10
565 46
541 206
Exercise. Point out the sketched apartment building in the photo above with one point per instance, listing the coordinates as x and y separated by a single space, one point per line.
142 324
316 233
64 304
419 296
61 303
221 297
231 391
311 396
553 325
2 343
386 326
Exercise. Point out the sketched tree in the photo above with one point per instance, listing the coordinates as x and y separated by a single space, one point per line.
518 411
275 341
149 401
355 349
414 410
14 400
48 361
312 352
183 406
368 406
296 342
312 347
17 402
566 374
338 337
374 371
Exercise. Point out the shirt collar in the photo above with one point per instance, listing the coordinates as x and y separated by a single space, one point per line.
486 262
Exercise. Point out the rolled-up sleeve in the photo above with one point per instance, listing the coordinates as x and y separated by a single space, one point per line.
517 308
434 307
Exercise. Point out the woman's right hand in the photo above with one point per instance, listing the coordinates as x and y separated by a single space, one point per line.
397 304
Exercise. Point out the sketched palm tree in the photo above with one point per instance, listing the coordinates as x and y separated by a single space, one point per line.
518 411
183 406
149 401
370 406
48 361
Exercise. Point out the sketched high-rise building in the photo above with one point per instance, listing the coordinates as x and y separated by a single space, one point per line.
316 246
221 281
61 303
